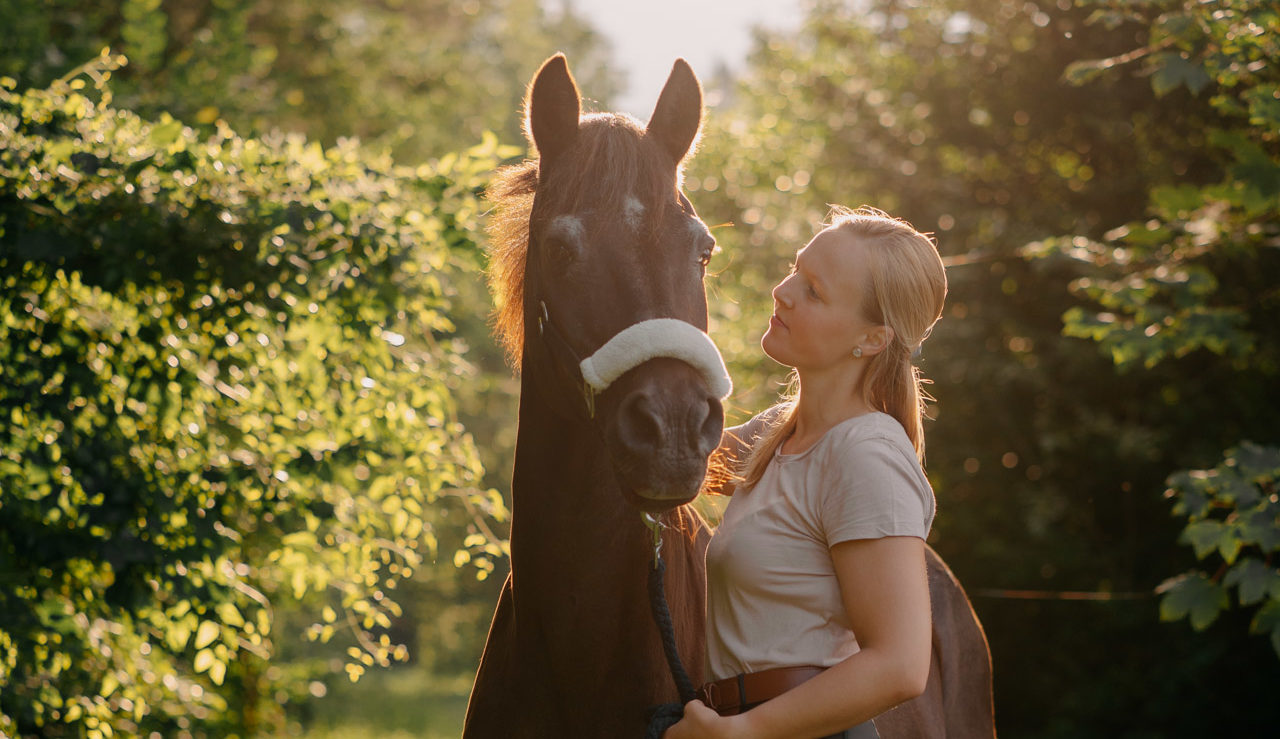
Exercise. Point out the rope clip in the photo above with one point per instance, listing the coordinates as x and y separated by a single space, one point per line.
655 527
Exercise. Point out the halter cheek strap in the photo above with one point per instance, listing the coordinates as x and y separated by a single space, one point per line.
657 337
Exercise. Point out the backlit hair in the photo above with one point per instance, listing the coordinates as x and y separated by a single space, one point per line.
908 285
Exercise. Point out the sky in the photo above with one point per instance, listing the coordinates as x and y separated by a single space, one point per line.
648 35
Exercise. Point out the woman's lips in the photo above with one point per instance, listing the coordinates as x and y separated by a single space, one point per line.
775 321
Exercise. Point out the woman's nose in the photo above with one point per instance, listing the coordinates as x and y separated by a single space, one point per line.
780 294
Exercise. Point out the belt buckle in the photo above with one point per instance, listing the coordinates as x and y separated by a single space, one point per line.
711 696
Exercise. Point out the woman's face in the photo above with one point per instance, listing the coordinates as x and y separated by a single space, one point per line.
817 309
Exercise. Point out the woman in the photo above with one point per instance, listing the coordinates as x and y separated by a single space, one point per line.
818 605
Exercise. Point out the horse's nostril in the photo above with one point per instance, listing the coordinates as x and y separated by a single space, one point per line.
638 424
711 427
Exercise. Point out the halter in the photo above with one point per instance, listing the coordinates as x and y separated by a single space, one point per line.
633 346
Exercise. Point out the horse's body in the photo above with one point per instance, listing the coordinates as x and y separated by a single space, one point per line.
593 237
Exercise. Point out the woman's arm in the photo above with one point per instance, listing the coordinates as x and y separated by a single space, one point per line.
735 446
886 596
726 460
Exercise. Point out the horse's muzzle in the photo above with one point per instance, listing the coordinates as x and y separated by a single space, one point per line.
661 433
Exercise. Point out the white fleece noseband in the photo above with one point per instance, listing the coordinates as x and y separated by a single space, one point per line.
657 337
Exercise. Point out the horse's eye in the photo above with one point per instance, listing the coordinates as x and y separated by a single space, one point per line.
560 251
564 240
709 249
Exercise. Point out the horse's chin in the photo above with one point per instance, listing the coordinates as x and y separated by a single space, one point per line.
651 501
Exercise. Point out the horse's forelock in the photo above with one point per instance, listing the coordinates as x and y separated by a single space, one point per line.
610 163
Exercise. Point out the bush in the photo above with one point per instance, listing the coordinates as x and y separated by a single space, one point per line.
225 371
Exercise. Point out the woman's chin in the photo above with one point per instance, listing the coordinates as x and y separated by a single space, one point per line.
773 348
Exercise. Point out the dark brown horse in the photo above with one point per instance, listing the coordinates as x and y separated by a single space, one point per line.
592 238
589 241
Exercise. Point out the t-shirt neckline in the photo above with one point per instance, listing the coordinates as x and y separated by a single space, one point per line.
781 457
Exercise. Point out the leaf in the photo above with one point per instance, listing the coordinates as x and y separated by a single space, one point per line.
1257 461
1192 595
1267 620
109 684
1173 25
205 635
1083 72
1173 70
230 615
1177 199
1255 580
204 660
1204 536
165 133
1262 529
217 671
1236 490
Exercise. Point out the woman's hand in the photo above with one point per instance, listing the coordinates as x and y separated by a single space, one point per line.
700 722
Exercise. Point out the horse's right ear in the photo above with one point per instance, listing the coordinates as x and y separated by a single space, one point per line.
678 114
552 109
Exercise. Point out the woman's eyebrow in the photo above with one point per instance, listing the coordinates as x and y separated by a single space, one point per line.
810 275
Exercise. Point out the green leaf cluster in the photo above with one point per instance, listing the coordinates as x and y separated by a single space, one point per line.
1158 280
226 377
1233 514
1198 275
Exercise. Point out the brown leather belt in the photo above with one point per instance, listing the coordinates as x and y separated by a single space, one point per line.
738 693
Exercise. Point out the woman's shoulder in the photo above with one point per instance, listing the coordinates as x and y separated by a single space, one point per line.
868 433
751 431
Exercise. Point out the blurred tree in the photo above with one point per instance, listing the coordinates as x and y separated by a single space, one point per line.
227 375
956 116
423 78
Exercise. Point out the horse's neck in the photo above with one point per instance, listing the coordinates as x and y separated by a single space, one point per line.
571 531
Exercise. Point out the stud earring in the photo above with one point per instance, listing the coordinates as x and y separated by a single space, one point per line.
857 352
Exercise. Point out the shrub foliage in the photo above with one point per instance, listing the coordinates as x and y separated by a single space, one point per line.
225 372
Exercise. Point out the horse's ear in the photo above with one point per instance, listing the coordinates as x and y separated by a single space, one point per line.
678 114
551 112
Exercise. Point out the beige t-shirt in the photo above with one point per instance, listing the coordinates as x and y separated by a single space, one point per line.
772 595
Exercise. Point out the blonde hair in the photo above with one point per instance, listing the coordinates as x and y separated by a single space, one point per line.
908 285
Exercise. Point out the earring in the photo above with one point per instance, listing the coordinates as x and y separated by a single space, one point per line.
857 352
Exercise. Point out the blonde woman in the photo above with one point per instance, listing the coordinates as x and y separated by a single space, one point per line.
818 605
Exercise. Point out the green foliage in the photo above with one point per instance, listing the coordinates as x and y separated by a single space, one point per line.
226 374
1159 284
420 78
1199 274
1233 514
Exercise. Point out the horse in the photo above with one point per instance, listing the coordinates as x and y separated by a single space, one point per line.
596 252
592 238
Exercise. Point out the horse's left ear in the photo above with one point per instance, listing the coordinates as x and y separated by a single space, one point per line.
551 113
678 114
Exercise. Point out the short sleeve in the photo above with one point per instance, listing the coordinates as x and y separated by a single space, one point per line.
874 488
751 431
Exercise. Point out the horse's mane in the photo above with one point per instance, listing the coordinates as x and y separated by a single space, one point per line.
610 162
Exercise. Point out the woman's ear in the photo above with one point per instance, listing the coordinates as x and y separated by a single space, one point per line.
876 340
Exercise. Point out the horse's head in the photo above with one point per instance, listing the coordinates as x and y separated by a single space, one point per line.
613 244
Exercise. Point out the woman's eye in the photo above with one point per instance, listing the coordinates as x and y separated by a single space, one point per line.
812 292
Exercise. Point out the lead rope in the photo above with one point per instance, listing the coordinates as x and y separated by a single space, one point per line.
665 715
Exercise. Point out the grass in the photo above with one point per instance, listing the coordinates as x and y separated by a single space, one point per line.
398 703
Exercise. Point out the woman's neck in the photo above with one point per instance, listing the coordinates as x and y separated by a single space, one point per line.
824 400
